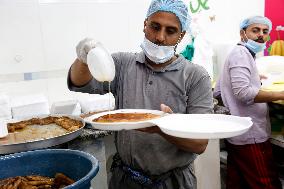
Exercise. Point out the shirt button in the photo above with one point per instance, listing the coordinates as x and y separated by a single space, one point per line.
150 82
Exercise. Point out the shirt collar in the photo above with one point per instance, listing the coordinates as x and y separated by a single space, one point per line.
251 52
175 65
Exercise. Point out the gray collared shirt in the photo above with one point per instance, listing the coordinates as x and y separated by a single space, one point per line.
183 86
239 84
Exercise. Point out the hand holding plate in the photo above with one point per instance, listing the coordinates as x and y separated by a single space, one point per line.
166 109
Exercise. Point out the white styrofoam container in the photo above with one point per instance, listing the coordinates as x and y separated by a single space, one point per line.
95 103
29 105
3 128
5 107
71 107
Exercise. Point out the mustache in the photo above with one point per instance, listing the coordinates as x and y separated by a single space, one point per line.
260 40
159 43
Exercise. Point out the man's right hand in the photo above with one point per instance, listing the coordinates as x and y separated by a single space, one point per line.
80 74
83 47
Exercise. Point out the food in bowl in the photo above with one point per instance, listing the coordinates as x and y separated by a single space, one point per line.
80 166
125 117
36 182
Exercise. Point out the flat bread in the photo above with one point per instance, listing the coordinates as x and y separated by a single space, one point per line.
125 117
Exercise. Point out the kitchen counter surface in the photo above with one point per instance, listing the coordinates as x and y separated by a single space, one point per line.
90 133
277 140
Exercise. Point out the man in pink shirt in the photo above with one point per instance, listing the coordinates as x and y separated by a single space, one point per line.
250 163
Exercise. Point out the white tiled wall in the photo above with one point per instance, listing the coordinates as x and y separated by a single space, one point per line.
24 87
58 90
62 26
20 36
41 35
228 15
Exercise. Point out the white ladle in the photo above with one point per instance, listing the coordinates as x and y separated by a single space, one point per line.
101 64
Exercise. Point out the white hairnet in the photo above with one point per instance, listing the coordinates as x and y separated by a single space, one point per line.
174 6
256 20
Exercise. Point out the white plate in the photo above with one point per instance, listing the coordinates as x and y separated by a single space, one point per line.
116 126
203 126
3 129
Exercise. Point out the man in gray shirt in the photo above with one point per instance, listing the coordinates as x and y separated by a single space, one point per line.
155 78
250 163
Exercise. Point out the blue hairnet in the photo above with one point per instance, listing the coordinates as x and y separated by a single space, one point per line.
174 6
256 20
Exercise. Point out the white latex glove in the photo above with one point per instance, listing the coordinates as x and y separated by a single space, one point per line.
83 47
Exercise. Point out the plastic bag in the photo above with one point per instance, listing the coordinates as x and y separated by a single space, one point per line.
101 64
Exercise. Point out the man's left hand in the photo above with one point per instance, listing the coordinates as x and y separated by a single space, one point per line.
156 129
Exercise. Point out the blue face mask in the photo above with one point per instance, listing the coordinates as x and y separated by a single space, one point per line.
254 46
157 54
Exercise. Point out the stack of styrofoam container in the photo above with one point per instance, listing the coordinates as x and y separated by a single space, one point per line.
29 105
70 107
5 107
3 128
95 102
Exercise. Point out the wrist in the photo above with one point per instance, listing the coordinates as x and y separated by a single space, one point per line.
79 73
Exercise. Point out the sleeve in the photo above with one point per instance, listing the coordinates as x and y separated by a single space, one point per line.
240 73
200 99
92 87
217 89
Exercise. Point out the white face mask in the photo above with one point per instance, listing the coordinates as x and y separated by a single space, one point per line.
157 54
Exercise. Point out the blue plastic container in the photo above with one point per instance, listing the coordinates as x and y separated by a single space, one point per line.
80 166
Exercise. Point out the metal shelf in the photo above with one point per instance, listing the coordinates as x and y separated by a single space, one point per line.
277 140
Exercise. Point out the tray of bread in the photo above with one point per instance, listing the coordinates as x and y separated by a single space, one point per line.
40 132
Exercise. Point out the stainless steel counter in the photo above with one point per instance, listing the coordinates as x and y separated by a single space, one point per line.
277 140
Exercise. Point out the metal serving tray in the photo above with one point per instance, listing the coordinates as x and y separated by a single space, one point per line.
7 147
